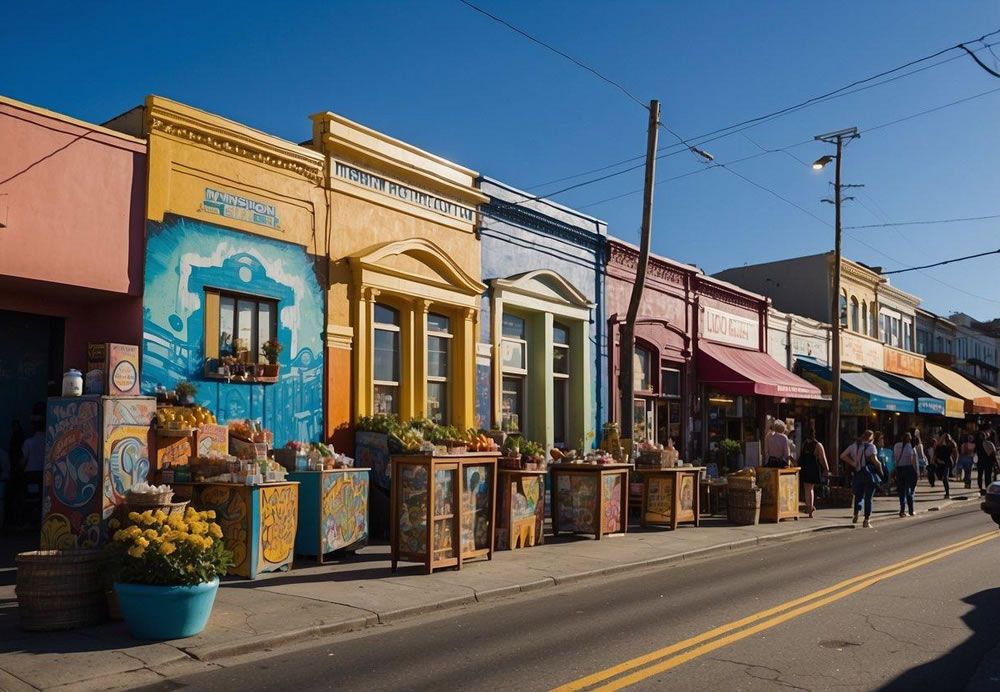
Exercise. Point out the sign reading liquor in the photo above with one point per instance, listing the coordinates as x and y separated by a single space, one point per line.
860 351
240 208
399 191
726 328
903 363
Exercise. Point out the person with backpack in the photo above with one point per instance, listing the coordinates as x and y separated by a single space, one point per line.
945 454
906 473
813 465
862 456
918 451
986 459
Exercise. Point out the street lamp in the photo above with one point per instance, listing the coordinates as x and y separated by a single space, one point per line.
838 138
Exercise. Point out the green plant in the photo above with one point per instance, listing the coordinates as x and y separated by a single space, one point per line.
730 448
384 423
272 349
168 551
185 389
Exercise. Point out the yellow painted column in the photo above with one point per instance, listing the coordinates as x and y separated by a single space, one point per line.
465 338
419 354
364 356
408 357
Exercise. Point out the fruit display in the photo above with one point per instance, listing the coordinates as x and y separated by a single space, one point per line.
250 431
182 417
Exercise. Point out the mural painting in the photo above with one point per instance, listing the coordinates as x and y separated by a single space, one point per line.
413 509
611 491
232 507
788 493
183 257
279 512
344 509
578 503
687 493
522 519
659 499
477 496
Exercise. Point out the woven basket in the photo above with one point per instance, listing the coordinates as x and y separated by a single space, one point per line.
743 506
168 508
741 482
148 500
60 589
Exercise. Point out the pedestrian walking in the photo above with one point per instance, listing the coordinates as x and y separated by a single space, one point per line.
906 473
967 457
986 459
868 473
930 452
776 446
945 455
918 451
813 466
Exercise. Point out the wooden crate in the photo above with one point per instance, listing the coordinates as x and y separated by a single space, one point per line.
590 498
670 496
780 493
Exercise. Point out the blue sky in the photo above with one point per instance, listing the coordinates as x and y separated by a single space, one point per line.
449 80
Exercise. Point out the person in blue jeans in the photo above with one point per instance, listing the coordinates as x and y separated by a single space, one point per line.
863 457
906 473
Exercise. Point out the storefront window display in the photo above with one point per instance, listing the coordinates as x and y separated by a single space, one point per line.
386 341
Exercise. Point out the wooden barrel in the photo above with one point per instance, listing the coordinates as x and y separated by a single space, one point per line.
743 506
60 589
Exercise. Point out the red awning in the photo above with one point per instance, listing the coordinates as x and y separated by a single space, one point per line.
736 371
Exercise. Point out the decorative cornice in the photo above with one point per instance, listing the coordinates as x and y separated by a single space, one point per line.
628 258
860 273
231 144
507 212
890 291
722 295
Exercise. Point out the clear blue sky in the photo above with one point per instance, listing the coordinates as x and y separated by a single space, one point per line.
449 80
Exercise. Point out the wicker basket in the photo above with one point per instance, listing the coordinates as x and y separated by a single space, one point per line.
741 482
148 500
168 508
743 506
60 589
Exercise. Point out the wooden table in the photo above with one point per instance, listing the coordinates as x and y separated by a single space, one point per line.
779 497
333 511
521 517
443 508
670 496
258 522
590 498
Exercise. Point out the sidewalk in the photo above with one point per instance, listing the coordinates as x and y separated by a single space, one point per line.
311 600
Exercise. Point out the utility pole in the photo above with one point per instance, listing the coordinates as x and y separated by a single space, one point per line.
626 380
837 138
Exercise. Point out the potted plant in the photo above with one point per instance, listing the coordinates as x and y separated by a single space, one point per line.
166 572
186 391
729 453
272 349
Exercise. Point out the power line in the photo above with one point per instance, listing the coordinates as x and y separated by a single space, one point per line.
943 262
556 51
928 222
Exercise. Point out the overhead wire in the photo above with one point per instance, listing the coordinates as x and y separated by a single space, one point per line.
925 222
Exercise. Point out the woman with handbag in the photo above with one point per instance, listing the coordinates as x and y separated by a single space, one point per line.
986 459
945 454
918 451
906 473
868 473
813 465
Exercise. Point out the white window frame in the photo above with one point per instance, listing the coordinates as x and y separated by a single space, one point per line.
382 326
561 380
448 336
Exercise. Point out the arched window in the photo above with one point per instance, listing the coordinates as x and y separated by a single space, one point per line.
843 308
854 314
864 317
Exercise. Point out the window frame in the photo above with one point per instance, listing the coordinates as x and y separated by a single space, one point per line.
257 356
522 341
435 333
376 383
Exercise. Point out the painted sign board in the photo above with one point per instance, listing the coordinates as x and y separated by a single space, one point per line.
903 363
231 206
860 351
727 328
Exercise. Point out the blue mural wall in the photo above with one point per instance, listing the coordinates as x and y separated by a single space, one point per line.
518 238
183 257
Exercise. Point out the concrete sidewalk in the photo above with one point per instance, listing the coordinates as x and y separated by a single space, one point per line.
311 601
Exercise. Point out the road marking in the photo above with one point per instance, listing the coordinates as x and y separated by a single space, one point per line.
785 611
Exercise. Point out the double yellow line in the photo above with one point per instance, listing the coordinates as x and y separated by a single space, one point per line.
683 651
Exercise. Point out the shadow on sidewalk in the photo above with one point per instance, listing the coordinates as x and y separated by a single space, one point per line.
953 669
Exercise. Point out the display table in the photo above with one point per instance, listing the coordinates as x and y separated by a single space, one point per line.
521 517
670 496
258 522
443 508
333 511
590 498
779 497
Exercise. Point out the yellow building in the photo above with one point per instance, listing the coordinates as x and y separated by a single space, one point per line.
404 294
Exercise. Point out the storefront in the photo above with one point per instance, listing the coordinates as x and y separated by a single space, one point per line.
538 371
663 370
404 292
234 263
71 245
978 402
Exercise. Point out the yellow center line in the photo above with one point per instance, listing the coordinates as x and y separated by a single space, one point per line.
858 582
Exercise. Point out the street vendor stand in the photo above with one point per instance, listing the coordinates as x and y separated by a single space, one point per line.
258 522
590 498
521 515
443 508
333 511
779 493
670 496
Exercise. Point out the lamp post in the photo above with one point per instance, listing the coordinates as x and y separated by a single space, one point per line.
838 138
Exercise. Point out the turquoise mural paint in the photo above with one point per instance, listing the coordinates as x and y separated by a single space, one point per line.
183 258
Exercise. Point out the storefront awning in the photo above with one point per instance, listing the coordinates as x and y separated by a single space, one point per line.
929 398
976 399
861 392
737 371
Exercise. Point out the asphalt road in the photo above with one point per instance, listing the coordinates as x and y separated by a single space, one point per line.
818 614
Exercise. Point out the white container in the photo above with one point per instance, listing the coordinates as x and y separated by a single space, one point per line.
72 384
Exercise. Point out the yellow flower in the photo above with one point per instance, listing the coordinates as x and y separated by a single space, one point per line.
175 522
199 527
134 517
150 534
136 551
133 531
206 542
215 530
147 518
210 514
167 547
189 568
119 536
114 524
190 514
194 541
160 516
142 542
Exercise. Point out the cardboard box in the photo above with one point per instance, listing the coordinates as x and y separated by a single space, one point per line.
212 438
173 451
120 365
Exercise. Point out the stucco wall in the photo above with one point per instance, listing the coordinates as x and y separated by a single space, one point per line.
799 285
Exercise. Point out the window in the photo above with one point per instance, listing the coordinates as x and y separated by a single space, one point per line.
924 340
871 318
641 364
438 346
387 358
854 315
513 346
641 433
560 383
843 309
883 330
908 334
864 317
560 349
512 403
670 385
513 362
246 323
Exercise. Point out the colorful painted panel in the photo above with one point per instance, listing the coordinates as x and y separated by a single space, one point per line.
578 503
71 502
212 438
444 513
344 509
233 512
183 257
659 499
279 514
687 493
126 447
788 493
477 508
611 492
371 450
413 509
766 479
525 512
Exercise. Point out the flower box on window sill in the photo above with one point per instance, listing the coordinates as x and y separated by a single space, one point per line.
241 373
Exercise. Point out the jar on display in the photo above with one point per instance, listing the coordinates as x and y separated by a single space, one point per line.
72 383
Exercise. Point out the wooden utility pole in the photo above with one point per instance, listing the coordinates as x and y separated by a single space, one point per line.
626 358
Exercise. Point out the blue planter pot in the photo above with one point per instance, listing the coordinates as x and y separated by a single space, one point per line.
166 612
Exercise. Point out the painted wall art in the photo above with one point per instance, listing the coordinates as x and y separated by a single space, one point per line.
611 496
578 502
345 509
